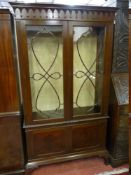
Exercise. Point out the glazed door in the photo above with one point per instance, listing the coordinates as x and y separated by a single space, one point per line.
41 52
91 66
65 69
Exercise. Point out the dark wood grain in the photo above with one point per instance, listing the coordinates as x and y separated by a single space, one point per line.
8 85
118 121
49 145
11 149
83 139
11 154
45 142
119 89
120 54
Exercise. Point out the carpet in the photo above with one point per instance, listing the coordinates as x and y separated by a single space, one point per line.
90 166
122 171
123 174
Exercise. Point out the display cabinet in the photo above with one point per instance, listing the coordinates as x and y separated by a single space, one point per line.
65 62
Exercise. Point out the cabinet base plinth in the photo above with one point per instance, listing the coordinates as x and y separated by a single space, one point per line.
115 162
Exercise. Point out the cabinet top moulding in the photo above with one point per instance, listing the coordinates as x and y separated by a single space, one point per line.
63 12
4 14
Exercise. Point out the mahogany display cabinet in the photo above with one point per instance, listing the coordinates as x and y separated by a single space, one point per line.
65 56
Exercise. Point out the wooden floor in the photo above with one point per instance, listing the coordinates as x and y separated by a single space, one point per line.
90 166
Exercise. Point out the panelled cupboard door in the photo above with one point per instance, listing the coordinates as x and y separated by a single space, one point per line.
42 55
65 69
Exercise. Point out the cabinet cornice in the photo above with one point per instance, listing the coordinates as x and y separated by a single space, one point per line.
63 12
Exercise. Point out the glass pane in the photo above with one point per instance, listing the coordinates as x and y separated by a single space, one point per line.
45 53
88 69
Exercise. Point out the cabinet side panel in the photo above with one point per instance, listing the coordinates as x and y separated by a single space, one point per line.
11 153
8 85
